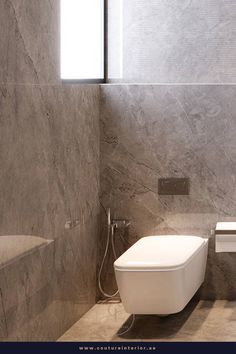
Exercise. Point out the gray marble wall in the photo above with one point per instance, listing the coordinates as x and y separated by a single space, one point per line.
172 41
152 131
30 41
173 130
49 150
49 158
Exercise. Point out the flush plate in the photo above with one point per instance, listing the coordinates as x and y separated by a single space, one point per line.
173 186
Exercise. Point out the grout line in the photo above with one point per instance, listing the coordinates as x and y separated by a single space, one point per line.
61 84
169 84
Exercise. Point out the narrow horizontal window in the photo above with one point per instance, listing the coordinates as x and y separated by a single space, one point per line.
82 40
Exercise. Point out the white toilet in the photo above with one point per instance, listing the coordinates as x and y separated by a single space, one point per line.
160 274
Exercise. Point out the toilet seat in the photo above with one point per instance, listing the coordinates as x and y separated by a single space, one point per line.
160 253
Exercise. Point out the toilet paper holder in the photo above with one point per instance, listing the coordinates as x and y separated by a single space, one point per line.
225 237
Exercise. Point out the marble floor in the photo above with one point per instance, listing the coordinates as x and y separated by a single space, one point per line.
199 321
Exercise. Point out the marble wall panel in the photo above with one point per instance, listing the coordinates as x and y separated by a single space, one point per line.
48 149
152 131
3 322
172 41
49 159
30 41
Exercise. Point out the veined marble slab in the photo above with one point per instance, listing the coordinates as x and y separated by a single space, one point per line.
30 42
153 131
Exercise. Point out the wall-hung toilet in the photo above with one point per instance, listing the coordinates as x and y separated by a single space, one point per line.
160 274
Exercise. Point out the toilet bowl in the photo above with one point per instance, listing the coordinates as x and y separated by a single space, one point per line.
160 274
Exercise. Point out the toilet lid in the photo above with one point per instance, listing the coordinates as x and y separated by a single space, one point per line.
160 253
